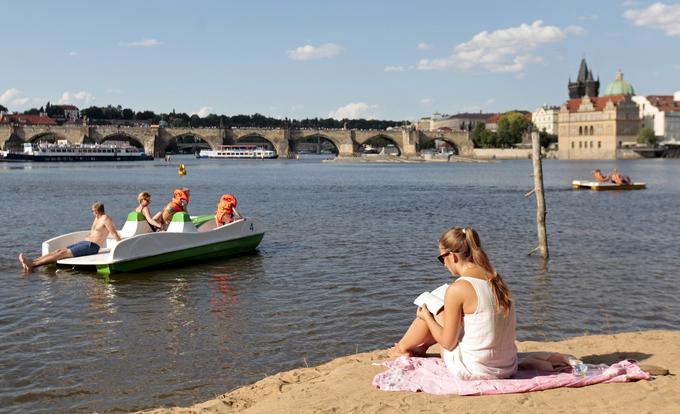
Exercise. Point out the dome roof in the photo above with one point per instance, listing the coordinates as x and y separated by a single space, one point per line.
619 86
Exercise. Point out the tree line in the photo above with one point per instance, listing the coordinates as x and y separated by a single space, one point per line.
511 127
103 115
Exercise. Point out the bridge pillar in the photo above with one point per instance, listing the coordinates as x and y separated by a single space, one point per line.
5 134
409 141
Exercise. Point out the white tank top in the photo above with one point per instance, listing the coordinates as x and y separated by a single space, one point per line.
486 348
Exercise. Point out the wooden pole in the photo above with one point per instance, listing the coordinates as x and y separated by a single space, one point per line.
540 198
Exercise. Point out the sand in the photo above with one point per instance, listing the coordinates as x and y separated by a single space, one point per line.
344 385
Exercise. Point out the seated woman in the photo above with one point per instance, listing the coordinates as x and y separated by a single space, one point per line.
226 210
476 328
178 203
144 199
597 174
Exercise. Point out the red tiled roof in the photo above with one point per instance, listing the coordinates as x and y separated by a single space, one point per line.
24 119
493 119
665 103
599 102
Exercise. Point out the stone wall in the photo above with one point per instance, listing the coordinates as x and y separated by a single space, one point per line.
502 153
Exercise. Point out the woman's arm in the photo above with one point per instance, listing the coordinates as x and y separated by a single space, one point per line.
147 216
447 335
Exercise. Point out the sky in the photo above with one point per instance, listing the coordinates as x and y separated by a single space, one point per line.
380 59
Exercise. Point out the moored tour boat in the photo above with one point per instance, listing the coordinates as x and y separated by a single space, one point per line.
186 240
594 185
64 151
244 151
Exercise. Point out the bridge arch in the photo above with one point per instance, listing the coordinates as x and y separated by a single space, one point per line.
188 142
255 138
122 136
381 141
47 136
315 142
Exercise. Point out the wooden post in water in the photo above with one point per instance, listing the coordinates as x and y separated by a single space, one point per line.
540 197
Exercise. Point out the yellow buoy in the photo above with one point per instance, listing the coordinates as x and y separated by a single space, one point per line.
182 170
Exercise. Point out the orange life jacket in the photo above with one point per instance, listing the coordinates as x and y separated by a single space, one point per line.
179 202
226 207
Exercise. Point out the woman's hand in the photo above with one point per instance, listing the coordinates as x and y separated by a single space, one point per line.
423 313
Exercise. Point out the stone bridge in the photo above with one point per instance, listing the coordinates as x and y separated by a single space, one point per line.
155 140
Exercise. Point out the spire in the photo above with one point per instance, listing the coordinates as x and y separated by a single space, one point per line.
590 75
582 71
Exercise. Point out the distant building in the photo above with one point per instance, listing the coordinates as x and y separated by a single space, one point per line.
596 127
26 120
662 114
492 122
545 118
71 112
585 84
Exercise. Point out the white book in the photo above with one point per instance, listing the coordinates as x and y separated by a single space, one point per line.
434 300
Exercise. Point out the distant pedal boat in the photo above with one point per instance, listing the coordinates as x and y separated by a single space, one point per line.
186 240
594 185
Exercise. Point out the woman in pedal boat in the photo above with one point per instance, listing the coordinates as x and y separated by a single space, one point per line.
144 200
476 328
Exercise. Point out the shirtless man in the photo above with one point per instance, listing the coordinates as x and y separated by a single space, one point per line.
101 227
597 174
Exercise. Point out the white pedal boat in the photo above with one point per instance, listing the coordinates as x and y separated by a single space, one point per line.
188 239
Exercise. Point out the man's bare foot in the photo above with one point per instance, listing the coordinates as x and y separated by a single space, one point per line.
24 264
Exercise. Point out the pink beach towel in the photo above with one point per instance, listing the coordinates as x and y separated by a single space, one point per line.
430 375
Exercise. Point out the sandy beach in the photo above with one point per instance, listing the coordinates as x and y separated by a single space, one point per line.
344 385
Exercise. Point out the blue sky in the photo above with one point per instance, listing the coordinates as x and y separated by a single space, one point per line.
370 58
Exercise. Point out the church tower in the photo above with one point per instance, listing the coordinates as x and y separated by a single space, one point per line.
585 83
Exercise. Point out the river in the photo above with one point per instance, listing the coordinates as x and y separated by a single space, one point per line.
347 248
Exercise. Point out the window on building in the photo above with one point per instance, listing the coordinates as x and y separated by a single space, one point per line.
580 131
591 130
599 144
572 144
620 144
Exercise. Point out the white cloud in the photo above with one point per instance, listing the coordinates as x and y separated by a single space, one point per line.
503 50
423 46
426 101
394 69
72 54
665 17
354 111
203 112
309 52
10 97
80 97
141 43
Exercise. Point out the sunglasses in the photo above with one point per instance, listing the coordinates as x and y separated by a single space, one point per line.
442 256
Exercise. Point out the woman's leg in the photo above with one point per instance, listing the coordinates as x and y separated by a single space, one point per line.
415 341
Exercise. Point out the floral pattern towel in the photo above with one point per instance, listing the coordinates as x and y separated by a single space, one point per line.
430 375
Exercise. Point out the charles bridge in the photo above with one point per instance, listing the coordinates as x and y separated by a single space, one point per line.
156 139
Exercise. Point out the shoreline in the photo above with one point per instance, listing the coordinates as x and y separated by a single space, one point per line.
344 384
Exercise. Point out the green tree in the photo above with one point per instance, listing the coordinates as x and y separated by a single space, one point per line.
482 137
546 138
3 108
647 137
511 127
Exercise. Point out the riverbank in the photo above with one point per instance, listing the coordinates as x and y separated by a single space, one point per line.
344 385
388 159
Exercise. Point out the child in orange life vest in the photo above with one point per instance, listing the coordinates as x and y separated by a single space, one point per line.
226 210
179 203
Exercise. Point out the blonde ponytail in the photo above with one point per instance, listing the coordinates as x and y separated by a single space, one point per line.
465 242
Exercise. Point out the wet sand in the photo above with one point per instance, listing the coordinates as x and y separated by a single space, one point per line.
344 385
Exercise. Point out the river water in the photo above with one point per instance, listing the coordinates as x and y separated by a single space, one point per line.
347 248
